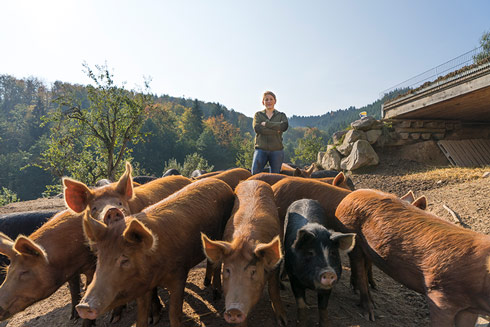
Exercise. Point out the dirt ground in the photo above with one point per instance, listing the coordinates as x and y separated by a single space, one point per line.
395 304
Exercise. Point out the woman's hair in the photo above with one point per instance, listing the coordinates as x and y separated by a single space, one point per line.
266 93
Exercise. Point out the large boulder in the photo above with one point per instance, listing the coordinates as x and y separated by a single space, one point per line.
362 154
366 123
349 139
372 135
331 160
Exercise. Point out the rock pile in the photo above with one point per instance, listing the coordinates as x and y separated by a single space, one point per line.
352 149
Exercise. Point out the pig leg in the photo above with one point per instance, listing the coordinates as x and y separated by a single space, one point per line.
156 307
299 296
275 296
117 313
322 307
143 309
74 286
209 273
176 290
217 281
438 317
358 267
465 319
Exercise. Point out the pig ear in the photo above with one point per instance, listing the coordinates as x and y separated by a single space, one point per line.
409 197
346 241
215 250
77 195
421 202
93 229
303 236
27 247
338 179
270 252
6 246
125 184
310 170
138 233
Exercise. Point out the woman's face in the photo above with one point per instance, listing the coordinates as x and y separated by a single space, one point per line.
269 101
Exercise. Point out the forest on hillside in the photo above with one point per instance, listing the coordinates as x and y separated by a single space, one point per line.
62 129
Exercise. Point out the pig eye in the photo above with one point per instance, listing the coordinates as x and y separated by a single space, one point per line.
252 272
120 203
124 263
226 272
310 253
93 210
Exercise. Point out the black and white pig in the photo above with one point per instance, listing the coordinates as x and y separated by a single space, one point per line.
312 258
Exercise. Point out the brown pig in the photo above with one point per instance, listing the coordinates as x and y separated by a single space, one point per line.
271 179
34 275
250 252
448 264
291 171
156 247
41 263
233 176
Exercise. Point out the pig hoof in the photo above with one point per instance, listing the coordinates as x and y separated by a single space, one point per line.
207 281
282 321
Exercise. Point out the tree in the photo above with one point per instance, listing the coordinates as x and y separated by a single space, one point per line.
112 119
308 147
484 55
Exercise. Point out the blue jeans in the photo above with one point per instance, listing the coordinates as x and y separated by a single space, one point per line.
261 157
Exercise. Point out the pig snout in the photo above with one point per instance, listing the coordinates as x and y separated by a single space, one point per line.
86 312
112 215
328 278
234 316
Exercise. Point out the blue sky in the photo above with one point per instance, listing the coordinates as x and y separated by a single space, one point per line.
317 56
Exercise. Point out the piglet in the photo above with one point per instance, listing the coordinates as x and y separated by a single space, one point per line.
312 257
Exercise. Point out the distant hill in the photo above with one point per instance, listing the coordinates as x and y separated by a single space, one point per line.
334 121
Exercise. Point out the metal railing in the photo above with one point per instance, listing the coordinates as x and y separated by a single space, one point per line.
474 60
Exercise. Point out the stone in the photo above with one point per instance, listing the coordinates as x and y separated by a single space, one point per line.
331 160
373 135
366 123
418 124
404 136
319 157
425 136
438 136
405 123
425 152
362 154
345 148
337 136
415 136
354 135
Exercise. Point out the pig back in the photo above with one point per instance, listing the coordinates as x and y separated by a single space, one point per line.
155 191
254 213
300 213
203 206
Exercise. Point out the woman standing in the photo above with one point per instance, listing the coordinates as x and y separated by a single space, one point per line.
269 124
